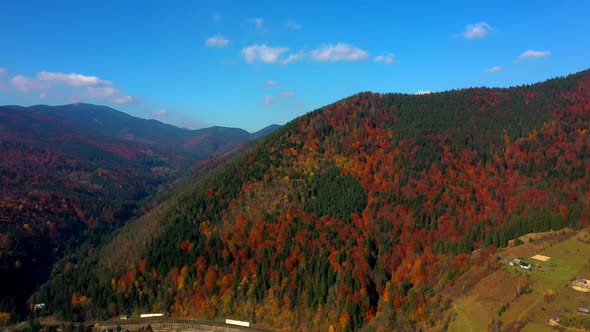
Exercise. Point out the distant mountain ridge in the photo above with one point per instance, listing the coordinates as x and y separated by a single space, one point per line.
200 143
76 172
59 183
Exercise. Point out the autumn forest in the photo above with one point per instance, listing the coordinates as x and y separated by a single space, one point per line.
361 213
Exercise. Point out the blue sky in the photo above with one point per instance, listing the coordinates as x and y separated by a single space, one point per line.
249 64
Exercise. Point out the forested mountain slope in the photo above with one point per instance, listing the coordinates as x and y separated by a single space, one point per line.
60 182
353 214
73 173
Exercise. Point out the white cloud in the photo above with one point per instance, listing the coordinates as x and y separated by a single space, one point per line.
293 57
271 83
21 83
79 87
423 92
159 112
108 94
492 70
338 52
330 52
476 30
293 25
216 18
45 80
26 84
533 54
71 79
263 53
2 72
269 100
386 59
217 41
288 94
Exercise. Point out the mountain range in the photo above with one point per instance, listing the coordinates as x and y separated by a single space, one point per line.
355 216
199 143
71 174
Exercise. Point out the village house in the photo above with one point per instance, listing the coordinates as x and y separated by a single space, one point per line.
525 265
39 306
581 285
554 321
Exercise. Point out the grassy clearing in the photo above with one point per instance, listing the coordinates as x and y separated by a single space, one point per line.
520 307
462 322
480 305
569 259
535 327
570 254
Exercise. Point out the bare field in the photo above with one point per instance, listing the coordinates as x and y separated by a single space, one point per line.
541 258
481 304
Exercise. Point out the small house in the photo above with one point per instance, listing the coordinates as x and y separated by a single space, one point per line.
525 265
581 285
39 306
554 321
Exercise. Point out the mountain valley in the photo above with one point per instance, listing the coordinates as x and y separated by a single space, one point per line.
64 185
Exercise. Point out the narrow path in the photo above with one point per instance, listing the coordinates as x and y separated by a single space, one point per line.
175 324
464 318
525 311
